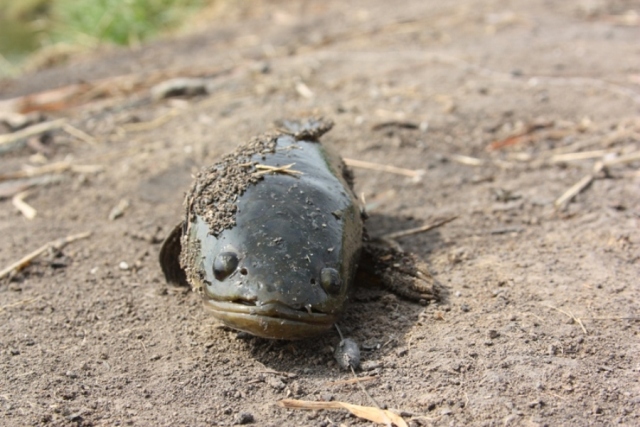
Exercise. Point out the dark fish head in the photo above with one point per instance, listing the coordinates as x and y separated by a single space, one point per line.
285 268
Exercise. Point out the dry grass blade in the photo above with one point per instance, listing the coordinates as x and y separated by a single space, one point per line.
57 244
467 160
523 135
50 168
579 186
627 158
152 124
11 188
417 174
286 169
21 302
81 135
304 91
571 316
380 416
417 230
24 208
583 155
354 380
31 131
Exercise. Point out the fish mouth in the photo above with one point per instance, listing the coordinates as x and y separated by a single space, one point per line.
271 320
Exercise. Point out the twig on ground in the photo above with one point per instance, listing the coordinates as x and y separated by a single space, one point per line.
152 124
412 173
467 160
273 372
351 362
582 155
31 131
56 244
118 210
354 380
81 135
402 124
626 158
612 318
380 416
304 91
50 168
15 304
571 316
579 186
540 319
522 135
11 188
417 230
556 395
24 208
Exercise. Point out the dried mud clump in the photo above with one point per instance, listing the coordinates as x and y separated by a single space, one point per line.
216 189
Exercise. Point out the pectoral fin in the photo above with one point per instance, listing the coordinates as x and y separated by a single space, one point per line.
404 274
170 258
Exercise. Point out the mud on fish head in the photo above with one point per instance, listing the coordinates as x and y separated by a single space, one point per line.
283 271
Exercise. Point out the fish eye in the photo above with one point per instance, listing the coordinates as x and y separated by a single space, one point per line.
330 280
224 264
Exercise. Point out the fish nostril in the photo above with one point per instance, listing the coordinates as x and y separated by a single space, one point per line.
312 281
243 271
225 264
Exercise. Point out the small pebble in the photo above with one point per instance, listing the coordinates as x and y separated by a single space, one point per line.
493 334
118 210
244 418
296 389
402 351
276 383
181 86
123 266
370 365
347 354
326 397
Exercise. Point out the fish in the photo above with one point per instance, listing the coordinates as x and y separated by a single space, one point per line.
273 236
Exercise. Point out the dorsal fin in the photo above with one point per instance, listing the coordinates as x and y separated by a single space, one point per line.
308 129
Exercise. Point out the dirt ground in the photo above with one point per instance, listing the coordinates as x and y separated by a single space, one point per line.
491 99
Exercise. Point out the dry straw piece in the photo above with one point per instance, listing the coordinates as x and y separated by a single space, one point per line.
380 416
56 244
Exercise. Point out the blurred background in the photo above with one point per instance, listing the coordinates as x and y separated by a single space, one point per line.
38 33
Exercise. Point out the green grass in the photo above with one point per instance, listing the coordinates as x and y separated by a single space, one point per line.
29 25
117 21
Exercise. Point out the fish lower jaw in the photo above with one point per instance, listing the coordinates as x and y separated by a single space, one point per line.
272 320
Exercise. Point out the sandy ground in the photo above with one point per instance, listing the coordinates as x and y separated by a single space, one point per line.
491 99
